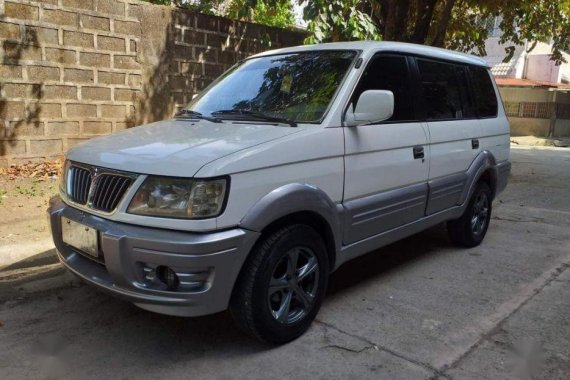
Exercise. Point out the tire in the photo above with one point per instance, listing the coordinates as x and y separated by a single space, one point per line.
471 228
284 311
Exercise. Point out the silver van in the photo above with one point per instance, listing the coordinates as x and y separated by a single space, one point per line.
290 164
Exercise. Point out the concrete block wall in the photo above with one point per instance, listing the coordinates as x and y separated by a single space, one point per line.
74 69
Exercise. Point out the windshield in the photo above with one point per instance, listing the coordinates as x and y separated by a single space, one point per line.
296 87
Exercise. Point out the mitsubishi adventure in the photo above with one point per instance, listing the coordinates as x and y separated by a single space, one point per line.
291 163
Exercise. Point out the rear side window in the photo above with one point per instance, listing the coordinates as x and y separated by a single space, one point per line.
483 92
445 90
387 72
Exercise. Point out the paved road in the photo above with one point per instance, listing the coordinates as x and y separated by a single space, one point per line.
416 309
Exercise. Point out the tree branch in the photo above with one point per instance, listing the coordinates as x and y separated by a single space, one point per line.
423 21
439 38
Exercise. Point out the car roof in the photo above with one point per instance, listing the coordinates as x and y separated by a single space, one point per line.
399 47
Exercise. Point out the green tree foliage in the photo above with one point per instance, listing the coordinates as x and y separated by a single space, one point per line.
202 6
540 20
278 13
456 24
338 20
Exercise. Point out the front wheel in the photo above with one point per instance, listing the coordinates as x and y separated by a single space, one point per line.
470 229
282 285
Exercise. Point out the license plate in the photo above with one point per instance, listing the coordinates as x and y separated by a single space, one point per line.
79 236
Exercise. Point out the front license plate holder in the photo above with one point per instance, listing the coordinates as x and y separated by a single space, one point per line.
80 236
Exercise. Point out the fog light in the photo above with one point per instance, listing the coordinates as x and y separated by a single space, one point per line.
168 277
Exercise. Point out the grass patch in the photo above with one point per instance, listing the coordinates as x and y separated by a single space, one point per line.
30 191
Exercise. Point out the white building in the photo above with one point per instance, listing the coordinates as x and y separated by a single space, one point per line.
535 90
532 64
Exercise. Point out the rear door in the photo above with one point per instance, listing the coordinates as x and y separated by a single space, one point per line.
386 164
453 129
495 134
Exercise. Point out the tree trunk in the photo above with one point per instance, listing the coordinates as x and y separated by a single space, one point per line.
394 19
423 21
335 35
442 26
390 12
401 25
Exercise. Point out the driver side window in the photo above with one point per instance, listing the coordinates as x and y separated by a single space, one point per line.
387 72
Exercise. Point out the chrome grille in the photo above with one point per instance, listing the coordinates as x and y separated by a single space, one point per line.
78 184
109 190
97 188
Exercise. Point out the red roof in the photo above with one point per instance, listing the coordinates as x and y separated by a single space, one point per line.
512 82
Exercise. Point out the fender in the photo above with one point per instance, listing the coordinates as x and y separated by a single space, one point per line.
483 162
292 198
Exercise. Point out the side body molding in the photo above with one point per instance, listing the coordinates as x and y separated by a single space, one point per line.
298 197
292 198
455 189
485 161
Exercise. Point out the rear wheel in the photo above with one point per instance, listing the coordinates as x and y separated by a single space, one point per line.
470 229
282 285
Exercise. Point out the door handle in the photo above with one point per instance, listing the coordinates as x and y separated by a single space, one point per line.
475 144
418 152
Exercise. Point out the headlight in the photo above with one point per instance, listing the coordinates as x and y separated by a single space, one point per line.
63 177
179 197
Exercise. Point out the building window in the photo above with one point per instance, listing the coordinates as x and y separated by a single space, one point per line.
543 110
512 109
528 110
563 111
491 25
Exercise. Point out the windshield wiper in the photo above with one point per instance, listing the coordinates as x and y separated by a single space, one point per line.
254 114
196 115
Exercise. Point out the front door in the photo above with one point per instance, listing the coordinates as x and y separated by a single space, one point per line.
386 164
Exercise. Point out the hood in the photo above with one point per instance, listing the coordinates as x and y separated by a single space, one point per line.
174 147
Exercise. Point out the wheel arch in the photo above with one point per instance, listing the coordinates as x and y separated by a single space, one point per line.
483 167
298 204
489 176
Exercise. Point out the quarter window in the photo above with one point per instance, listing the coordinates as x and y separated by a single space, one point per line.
445 90
390 73
484 92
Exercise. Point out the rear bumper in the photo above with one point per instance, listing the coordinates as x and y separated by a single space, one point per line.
503 172
207 264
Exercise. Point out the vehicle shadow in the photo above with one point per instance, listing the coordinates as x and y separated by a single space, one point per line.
43 258
376 263
87 322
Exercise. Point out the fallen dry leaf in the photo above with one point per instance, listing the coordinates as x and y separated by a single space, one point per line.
40 170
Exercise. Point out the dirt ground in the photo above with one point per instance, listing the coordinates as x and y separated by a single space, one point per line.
23 203
559 142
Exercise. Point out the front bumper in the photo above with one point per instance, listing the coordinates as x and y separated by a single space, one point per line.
206 263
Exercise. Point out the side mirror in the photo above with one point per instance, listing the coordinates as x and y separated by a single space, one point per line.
372 106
